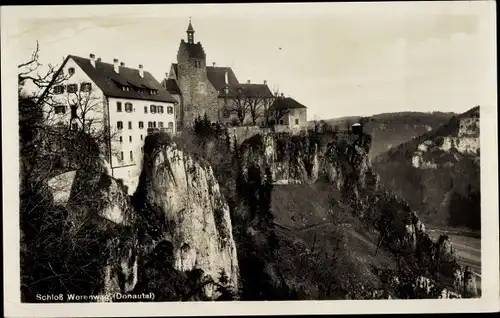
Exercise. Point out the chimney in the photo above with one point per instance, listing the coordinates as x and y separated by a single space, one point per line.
116 65
265 82
141 71
122 64
248 81
92 60
213 63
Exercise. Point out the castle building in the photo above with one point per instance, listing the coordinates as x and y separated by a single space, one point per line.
213 91
288 112
124 103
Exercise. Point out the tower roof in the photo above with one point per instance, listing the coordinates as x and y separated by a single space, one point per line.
190 27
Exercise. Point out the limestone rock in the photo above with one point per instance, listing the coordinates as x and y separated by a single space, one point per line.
196 217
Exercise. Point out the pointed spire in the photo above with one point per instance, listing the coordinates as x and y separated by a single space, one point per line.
190 32
190 26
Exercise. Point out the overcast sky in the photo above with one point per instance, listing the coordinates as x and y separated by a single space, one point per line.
338 59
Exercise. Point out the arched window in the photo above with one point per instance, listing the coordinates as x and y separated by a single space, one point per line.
170 110
119 125
153 109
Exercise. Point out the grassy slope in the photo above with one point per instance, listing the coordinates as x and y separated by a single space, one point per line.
304 209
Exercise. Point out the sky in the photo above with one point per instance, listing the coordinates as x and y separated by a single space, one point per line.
338 59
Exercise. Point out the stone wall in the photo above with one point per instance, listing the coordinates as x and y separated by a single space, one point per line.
242 133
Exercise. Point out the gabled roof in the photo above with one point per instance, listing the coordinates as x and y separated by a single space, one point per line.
194 50
247 90
286 103
217 76
104 76
171 86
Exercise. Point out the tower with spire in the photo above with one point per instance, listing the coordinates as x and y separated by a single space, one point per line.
202 89
192 76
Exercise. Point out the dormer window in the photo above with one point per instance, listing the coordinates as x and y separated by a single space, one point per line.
71 70
153 92
125 88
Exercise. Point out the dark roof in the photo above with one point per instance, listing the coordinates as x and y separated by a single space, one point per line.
171 86
104 76
247 90
286 103
216 75
190 27
257 90
194 50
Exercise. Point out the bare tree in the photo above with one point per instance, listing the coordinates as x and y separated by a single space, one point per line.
258 105
240 105
317 123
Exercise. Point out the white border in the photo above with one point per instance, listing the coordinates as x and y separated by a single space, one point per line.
10 167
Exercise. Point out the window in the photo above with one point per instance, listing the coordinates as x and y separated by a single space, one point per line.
170 125
281 121
59 89
296 121
86 87
129 125
141 125
160 109
145 109
170 110
128 107
71 70
131 155
74 126
150 124
121 139
141 137
73 112
153 109
153 92
119 125
130 138
126 88
118 106
72 88
121 155
160 124
61 109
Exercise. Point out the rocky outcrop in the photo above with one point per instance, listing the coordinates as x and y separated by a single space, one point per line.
303 159
100 204
183 198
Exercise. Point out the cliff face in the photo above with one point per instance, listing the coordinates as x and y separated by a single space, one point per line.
343 161
444 168
183 197
101 226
